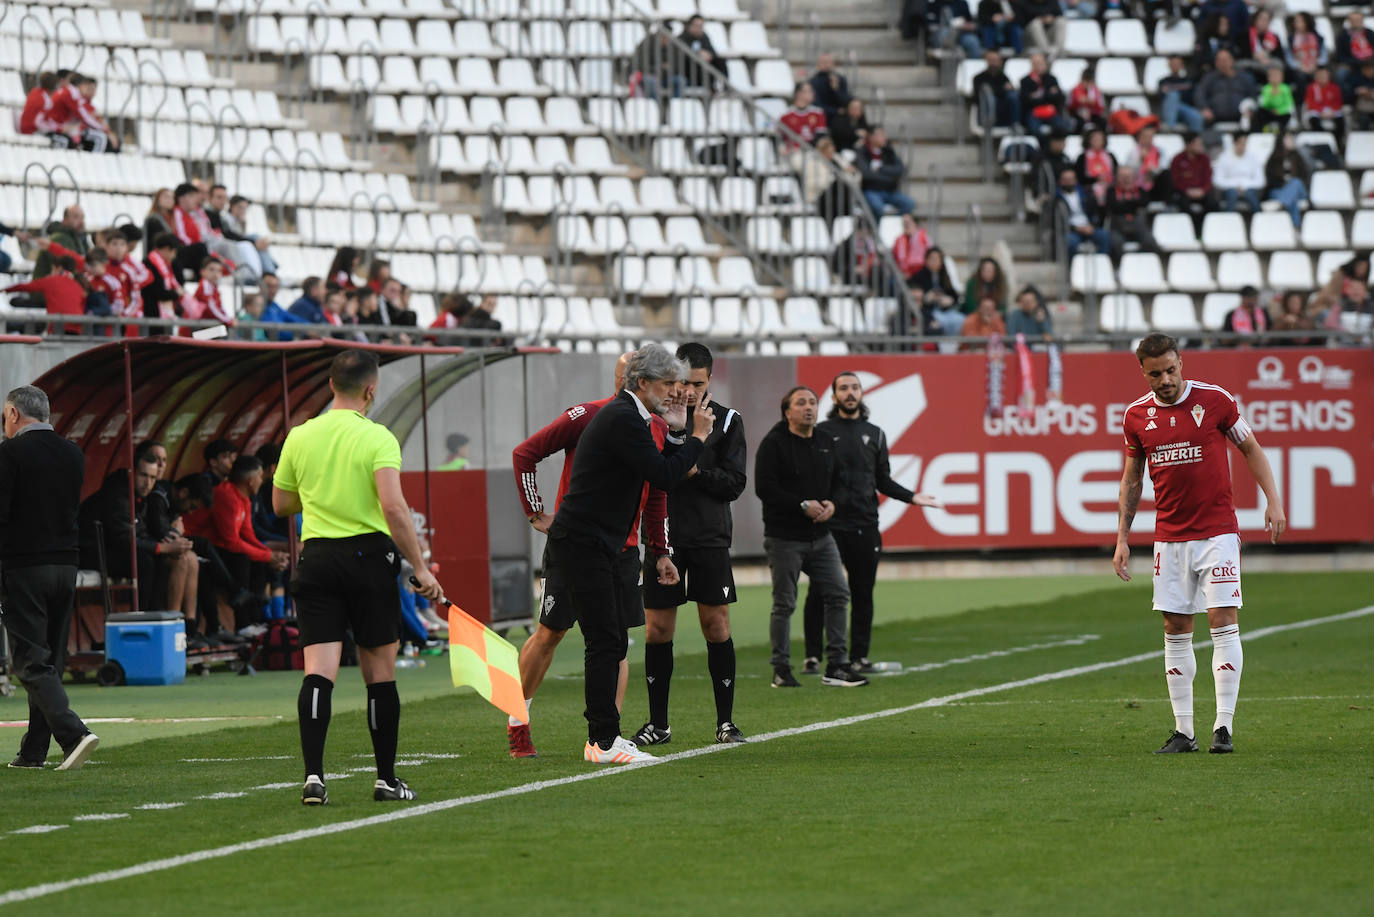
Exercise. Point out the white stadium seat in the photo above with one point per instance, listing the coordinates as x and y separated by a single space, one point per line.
1122 312
1215 307
1236 269
1322 230
1174 232
1092 273
1272 231
1173 312
1141 272
1290 271
1331 190
1190 272
1224 232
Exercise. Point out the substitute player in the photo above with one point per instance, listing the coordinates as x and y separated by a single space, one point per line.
701 530
556 616
343 472
1182 429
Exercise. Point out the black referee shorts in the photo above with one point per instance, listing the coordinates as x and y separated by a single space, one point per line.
705 576
343 583
556 611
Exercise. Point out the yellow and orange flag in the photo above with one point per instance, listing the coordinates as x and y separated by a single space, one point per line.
481 659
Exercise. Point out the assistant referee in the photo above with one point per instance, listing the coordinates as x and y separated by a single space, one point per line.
343 472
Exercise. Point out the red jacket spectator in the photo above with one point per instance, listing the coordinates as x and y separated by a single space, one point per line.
910 253
37 116
64 106
231 518
62 295
203 301
185 228
807 123
1191 170
1323 101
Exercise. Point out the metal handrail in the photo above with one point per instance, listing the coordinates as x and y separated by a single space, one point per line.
973 233
166 94
360 134
23 44
133 95
279 200
298 88
58 43
935 187
319 168
50 173
219 137
190 111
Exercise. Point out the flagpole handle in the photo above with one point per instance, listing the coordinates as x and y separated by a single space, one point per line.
443 598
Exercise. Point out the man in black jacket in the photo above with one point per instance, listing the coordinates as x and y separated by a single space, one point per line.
1002 107
882 172
701 530
615 455
864 472
41 475
795 476
831 88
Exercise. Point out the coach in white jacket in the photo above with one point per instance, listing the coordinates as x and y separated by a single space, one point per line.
1238 174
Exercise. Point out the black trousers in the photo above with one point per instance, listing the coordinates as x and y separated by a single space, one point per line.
859 552
589 577
38 615
251 575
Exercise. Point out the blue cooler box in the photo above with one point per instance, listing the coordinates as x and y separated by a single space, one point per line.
149 645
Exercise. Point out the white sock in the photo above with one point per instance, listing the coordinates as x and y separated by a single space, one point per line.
512 721
1227 660
1179 668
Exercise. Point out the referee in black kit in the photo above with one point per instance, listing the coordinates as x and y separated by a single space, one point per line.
615 456
702 529
343 472
41 475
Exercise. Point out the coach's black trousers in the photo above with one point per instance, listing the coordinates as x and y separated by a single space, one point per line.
38 615
589 575
859 552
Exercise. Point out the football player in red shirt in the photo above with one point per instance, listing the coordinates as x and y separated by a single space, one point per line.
1182 429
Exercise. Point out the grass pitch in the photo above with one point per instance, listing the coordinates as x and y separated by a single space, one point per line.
1040 798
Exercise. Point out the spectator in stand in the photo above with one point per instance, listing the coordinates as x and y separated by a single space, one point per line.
1042 99
119 243
378 273
233 223
343 270
1096 166
1248 317
203 301
82 125
1005 101
1347 292
1235 12
1051 161
959 27
159 219
1285 176
882 173
803 119
5 261
1030 317
62 293
1262 48
1190 176
272 310
1215 36
1147 162
1238 176
938 298
480 319
250 310
1126 216
654 64
1177 91
1045 28
70 234
1359 92
192 228
453 308
1306 49
1324 105
36 117
1087 105
247 558
832 196
997 26
849 127
391 307
855 260
1276 103
1355 44
829 87
909 249
308 307
1084 222
695 38
1226 94
987 280
1292 316
335 303
984 321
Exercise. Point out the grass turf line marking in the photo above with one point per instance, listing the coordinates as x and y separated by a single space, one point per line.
101 816
159 806
998 654
1155 700
443 805
39 829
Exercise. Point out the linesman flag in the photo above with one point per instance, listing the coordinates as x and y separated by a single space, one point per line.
480 658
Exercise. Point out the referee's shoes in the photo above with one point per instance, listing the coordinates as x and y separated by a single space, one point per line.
622 751
314 793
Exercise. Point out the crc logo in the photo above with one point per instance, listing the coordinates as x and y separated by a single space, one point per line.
1225 571
1269 373
1313 370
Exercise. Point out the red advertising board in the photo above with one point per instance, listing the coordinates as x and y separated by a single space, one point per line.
1050 478
459 502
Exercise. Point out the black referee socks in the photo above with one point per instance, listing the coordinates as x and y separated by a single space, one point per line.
313 708
384 722
720 660
658 673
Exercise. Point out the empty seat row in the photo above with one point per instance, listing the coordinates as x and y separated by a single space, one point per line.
152 101
451 114
478 153
257 146
540 195
131 173
84 25
1191 272
669 275
1321 229
429 232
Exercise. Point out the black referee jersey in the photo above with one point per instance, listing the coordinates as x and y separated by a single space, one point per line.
699 507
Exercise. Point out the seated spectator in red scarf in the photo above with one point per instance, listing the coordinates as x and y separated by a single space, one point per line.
1355 44
203 299
1126 218
1147 161
1086 103
231 532
1190 174
1324 102
343 268
1306 49
118 246
1096 166
163 291
909 251
1248 317
803 119
1263 47
62 293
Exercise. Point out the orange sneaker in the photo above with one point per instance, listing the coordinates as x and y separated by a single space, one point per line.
622 751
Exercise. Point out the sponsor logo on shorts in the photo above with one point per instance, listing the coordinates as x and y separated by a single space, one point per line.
1236 594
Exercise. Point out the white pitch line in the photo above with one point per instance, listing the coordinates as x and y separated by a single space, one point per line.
1097 701
999 654
159 806
39 829
443 805
101 816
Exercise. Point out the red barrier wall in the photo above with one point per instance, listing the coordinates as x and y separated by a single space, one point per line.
1051 479
459 501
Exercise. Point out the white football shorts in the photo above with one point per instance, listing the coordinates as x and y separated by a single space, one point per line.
1193 576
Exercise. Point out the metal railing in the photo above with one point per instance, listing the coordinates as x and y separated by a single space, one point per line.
50 174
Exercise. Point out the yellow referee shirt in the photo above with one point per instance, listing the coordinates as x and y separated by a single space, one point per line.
330 462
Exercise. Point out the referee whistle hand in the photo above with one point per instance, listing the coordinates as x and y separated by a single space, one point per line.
703 418
1119 561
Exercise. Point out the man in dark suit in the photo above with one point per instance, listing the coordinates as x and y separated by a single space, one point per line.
615 455
40 493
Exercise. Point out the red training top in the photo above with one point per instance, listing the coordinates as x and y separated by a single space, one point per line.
232 523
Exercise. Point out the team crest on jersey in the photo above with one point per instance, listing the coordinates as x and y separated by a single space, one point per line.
1198 411
1150 412
1151 425
865 439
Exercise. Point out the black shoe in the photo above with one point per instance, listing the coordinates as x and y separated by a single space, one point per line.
1178 744
649 734
842 676
23 762
1221 742
862 666
314 793
782 678
393 792
728 733
228 638
197 644
812 666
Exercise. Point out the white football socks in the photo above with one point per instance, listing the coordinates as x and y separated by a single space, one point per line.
1227 661
1180 666
512 721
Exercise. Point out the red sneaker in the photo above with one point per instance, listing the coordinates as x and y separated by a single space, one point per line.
520 744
